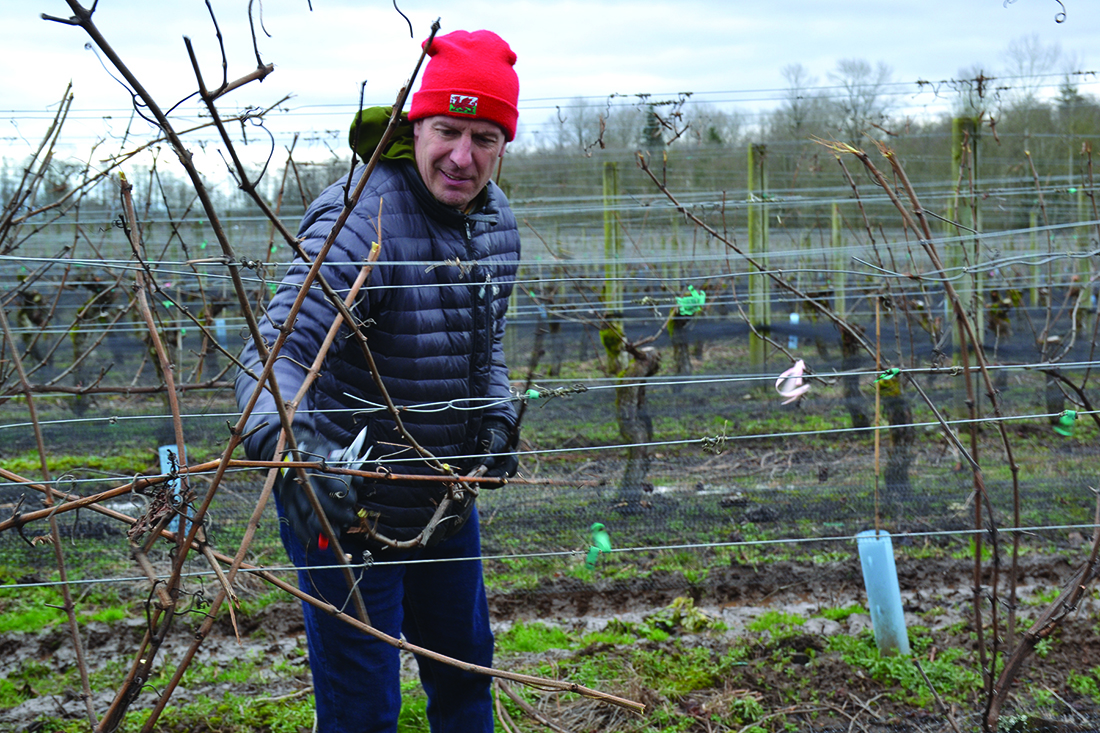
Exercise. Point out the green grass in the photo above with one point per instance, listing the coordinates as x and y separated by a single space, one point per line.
28 618
776 622
533 637
660 654
841 614
414 708
231 713
254 604
112 462
26 682
109 615
35 609
927 550
773 422
968 553
1086 684
678 671
613 635
672 656
1042 597
954 681
681 616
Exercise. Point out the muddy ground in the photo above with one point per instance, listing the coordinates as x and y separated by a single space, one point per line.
936 594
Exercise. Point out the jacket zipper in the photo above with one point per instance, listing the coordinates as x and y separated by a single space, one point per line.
482 311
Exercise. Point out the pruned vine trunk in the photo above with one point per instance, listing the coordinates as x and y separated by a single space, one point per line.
854 401
899 455
681 347
635 427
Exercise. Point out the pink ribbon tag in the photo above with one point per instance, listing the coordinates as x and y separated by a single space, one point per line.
790 384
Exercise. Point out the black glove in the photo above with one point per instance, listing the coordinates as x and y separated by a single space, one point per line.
336 494
495 439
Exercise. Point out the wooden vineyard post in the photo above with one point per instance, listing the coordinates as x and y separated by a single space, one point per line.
967 216
840 263
760 310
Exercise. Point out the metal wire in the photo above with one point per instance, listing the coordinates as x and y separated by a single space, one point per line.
900 536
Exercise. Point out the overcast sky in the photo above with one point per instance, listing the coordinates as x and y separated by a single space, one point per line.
727 52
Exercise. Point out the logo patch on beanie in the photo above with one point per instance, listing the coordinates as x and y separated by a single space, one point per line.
463 104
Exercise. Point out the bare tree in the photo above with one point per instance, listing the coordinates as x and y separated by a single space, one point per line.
803 106
1078 114
861 98
712 126
624 126
577 124
1028 63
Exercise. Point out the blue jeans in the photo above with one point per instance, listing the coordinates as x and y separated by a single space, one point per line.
439 606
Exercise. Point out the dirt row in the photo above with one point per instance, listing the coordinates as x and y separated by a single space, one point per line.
936 594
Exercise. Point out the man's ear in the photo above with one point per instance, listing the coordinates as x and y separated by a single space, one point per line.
502 147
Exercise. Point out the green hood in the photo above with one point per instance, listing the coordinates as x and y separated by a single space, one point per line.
367 129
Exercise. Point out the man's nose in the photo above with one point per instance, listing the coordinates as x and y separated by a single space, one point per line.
461 152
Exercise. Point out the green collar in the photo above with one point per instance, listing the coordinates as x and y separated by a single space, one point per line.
367 129
370 124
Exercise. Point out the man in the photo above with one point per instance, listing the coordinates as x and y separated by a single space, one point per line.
433 314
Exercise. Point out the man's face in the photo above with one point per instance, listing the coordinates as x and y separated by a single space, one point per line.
455 157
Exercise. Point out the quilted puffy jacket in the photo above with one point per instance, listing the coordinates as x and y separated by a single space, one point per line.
433 311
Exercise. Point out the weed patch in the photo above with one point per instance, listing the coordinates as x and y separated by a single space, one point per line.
954 682
533 637
841 614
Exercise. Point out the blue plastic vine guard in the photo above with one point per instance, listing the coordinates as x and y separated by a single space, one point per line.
880 576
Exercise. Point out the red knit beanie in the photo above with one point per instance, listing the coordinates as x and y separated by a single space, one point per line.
470 75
